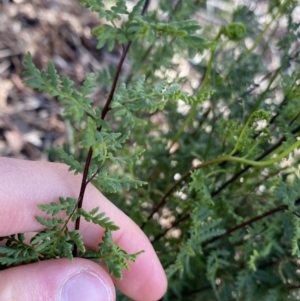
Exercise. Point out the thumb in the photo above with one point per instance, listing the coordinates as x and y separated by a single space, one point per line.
57 280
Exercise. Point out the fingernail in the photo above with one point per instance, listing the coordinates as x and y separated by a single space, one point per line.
86 286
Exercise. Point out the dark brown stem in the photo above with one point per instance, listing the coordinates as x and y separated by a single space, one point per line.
187 174
214 193
147 52
245 224
271 212
236 176
251 221
94 175
114 84
83 185
105 110
167 194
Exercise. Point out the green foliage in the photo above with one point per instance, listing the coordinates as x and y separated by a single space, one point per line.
210 124
287 193
77 103
235 31
185 33
114 257
137 98
58 241
98 219
16 251
203 229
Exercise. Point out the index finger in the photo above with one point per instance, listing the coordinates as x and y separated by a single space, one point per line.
24 184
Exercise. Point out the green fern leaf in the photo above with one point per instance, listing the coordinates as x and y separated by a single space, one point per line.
98 219
113 256
53 76
70 160
77 239
49 222
117 10
68 204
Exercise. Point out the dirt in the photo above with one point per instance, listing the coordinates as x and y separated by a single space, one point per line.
30 122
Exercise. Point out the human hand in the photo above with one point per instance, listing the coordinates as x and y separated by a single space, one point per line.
23 185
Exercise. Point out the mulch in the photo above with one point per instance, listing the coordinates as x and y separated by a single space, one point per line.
30 122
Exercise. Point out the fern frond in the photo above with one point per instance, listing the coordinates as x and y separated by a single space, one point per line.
65 204
77 103
113 256
76 238
115 183
16 251
97 219
50 222
43 241
70 161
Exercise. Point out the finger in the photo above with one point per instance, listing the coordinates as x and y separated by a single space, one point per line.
24 184
59 280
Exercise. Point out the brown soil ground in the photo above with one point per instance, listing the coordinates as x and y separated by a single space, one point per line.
55 30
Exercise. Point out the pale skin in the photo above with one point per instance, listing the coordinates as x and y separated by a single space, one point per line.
23 185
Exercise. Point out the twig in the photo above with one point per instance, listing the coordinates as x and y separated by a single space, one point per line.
238 174
213 194
251 221
105 110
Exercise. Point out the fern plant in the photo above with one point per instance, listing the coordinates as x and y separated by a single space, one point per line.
218 180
